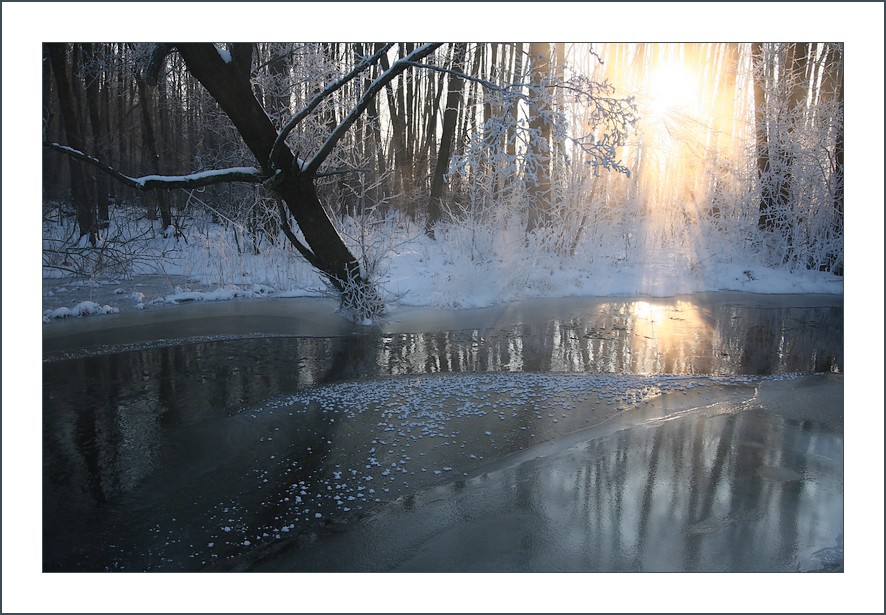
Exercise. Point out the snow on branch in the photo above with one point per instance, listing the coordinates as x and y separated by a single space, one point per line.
168 182
249 175
374 88
332 87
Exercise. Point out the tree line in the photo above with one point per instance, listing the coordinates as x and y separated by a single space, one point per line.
288 137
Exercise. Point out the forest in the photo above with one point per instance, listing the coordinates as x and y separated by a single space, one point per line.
329 159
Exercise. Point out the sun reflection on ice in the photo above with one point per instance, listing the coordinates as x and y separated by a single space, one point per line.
644 310
666 337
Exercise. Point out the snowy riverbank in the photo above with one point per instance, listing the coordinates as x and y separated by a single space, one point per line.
413 270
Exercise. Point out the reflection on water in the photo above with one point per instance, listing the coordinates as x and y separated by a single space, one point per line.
637 337
717 489
725 494
126 404
112 423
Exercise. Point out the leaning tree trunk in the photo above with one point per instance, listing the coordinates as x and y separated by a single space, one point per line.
229 84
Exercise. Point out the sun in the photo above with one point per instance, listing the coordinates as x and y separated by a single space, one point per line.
671 88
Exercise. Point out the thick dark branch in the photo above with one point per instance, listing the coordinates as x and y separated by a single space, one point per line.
375 87
166 182
248 175
241 56
158 54
302 248
332 87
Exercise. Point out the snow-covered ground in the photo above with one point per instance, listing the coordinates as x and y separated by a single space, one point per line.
464 267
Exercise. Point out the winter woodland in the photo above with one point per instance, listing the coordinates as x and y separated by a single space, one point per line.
454 174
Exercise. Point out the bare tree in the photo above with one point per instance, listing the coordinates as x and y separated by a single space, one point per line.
226 75
83 201
540 134
450 117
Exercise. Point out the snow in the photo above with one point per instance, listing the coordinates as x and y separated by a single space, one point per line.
859 594
197 176
450 279
66 148
219 294
84 308
463 268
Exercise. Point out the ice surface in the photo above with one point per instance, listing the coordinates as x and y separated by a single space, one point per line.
257 488
656 495
279 438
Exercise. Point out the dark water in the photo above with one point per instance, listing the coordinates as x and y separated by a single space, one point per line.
221 443
712 490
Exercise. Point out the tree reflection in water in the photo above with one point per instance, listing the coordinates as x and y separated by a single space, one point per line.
674 497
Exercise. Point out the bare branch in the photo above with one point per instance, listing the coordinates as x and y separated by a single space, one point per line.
332 87
167 182
342 172
375 87
462 75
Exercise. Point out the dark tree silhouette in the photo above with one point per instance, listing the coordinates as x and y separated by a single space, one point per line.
226 76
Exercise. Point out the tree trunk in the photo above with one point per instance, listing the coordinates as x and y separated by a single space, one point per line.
778 212
762 136
511 148
558 145
99 139
837 63
229 85
410 115
468 110
453 102
55 180
374 128
540 129
86 219
398 142
162 196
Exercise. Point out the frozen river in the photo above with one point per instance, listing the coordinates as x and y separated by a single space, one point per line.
700 433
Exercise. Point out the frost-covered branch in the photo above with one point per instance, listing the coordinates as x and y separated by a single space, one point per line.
167 182
578 86
332 87
375 87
